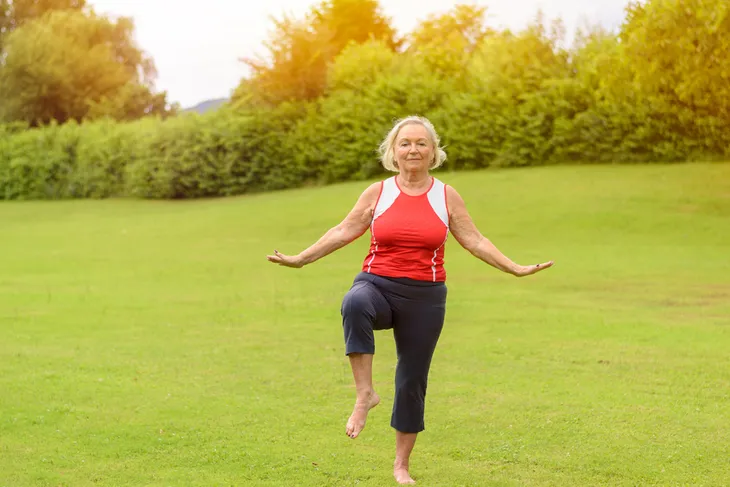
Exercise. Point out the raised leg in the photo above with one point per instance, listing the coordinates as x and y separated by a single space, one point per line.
363 309
367 398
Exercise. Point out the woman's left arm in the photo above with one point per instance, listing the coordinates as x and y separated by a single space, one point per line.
466 233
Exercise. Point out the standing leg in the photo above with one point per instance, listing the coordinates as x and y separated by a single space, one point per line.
363 309
417 326
404 443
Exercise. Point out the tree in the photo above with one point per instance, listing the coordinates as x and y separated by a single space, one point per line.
677 51
14 13
446 42
504 116
296 69
69 65
131 102
301 50
369 87
340 22
358 66
464 22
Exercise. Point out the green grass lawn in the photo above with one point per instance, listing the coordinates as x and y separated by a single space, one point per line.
147 343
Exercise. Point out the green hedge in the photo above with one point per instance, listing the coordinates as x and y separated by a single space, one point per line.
233 152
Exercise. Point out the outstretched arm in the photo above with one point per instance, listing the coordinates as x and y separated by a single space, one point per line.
466 233
351 228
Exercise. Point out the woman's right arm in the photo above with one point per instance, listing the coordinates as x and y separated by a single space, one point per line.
351 228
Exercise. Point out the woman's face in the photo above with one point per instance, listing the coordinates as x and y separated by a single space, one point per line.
413 148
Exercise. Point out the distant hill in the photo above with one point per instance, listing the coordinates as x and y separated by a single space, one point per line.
207 105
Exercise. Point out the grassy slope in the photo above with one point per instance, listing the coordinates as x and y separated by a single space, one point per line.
150 343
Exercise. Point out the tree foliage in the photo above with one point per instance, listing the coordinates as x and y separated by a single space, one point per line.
446 42
301 50
73 65
678 57
14 13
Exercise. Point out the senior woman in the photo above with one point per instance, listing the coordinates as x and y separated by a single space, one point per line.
401 285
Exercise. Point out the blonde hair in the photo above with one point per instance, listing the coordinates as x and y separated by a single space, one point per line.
387 147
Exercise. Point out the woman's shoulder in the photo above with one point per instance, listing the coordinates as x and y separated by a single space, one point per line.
453 199
376 187
449 189
371 193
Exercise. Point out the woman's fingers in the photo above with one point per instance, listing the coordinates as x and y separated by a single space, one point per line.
544 265
277 257
281 259
541 267
532 269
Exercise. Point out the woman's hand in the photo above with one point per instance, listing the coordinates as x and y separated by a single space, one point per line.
285 260
527 270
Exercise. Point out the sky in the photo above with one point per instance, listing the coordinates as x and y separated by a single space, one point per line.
196 45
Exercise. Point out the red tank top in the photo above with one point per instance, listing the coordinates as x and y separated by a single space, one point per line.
408 233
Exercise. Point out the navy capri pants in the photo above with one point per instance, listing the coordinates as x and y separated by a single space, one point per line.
415 311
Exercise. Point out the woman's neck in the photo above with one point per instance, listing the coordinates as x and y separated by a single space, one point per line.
416 182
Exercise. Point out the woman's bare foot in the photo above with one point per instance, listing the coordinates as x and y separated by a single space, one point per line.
400 472
356 423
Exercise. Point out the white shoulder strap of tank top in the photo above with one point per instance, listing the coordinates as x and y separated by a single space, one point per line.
387 197
437 198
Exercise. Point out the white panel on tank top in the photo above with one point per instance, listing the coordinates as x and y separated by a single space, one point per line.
437 198
387 197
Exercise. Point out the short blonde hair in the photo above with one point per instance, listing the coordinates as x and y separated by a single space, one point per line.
387 147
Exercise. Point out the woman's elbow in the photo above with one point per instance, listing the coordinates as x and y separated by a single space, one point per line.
470 243
347 234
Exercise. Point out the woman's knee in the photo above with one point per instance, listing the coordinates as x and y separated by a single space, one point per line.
360 300
358 319
414 386
354 300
